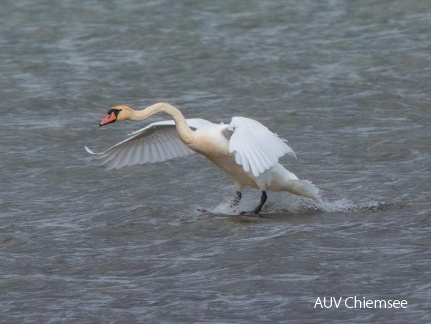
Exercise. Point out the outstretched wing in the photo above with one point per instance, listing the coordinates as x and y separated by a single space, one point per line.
155 143
254 146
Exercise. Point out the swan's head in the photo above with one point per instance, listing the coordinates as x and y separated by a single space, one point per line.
117 113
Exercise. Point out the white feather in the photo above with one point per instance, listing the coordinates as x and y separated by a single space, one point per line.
255 147
155 143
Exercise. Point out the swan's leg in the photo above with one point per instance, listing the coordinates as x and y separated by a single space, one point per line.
262 202
238 195
237 198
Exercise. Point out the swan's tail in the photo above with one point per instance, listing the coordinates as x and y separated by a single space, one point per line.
304 188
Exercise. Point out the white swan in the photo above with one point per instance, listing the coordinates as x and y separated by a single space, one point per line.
245 149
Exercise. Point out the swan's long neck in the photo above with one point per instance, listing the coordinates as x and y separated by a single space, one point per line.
185 133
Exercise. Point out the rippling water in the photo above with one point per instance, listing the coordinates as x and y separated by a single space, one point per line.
346 82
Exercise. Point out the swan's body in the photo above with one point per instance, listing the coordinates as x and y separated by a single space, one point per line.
244 149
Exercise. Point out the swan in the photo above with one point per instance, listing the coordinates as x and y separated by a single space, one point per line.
245 149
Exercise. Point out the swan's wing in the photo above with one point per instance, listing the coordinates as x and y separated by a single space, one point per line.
155 143
254 146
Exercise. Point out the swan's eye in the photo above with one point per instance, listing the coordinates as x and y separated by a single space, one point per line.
114 111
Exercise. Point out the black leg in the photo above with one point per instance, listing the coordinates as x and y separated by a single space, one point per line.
262 202
237 198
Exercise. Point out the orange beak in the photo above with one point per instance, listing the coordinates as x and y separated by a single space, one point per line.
108 119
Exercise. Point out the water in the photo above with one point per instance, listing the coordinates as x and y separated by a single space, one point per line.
347 83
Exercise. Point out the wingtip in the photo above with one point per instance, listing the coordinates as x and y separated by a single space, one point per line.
88 150
291 153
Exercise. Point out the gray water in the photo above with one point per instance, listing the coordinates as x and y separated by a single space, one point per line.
346 82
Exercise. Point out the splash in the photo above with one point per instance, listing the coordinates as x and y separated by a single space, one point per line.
365 206
296 205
